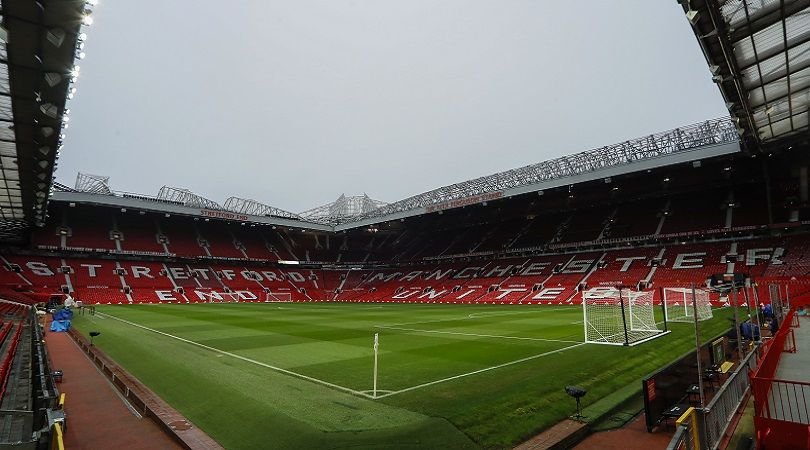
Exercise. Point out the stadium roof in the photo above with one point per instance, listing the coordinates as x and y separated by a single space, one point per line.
342 210
39 42
759 55
702 140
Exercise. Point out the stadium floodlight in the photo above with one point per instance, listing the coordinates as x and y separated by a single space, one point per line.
87 18
692 16
49 109
53 78
56 36
619 316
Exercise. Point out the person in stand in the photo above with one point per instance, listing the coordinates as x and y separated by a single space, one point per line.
767 311
773 325
69 301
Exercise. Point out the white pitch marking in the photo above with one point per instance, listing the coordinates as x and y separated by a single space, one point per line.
478 335
476 316
517 361
233 355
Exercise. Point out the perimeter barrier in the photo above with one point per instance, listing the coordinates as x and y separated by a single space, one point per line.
781 407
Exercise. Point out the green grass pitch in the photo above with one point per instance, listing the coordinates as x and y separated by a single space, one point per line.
299 375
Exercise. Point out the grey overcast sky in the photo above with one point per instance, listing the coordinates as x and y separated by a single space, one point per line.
294 102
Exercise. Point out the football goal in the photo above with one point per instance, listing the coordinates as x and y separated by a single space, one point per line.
680 306
619 316
277 297
219 297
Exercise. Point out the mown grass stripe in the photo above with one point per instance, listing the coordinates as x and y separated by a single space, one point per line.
487 369
476 334
243 358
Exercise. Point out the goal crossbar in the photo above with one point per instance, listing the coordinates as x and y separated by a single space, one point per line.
619 317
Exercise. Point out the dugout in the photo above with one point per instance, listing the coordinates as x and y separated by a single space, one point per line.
668 386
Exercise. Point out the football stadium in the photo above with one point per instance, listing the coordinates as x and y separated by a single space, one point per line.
642 294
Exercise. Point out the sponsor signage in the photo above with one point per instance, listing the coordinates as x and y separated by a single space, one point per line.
223 215
465 201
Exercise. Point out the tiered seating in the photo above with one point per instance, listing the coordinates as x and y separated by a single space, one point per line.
42 272
139 233
540 230
10 278
10 344
795 262
90 230
352 288
220 242
571 275
144 278
638 218
688 213
183 276
182 238
359 248
698 263
47 236
622 268
276 240
533 279
94 273
98 295
491 284
750 207
26 297
586 224
95 281
150 296
254 243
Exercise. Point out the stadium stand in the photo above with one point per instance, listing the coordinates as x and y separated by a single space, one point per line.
182 238
669 227
138 233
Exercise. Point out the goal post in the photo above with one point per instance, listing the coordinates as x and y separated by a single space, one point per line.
220 297
619 316
680 305
277 297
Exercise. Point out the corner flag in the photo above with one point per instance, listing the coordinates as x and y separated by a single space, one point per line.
376 348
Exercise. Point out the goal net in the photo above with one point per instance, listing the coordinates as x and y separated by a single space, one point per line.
239 296
277 297
219 297
619 317
680 306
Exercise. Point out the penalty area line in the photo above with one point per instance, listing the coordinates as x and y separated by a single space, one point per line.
477 335
243 358
486 369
